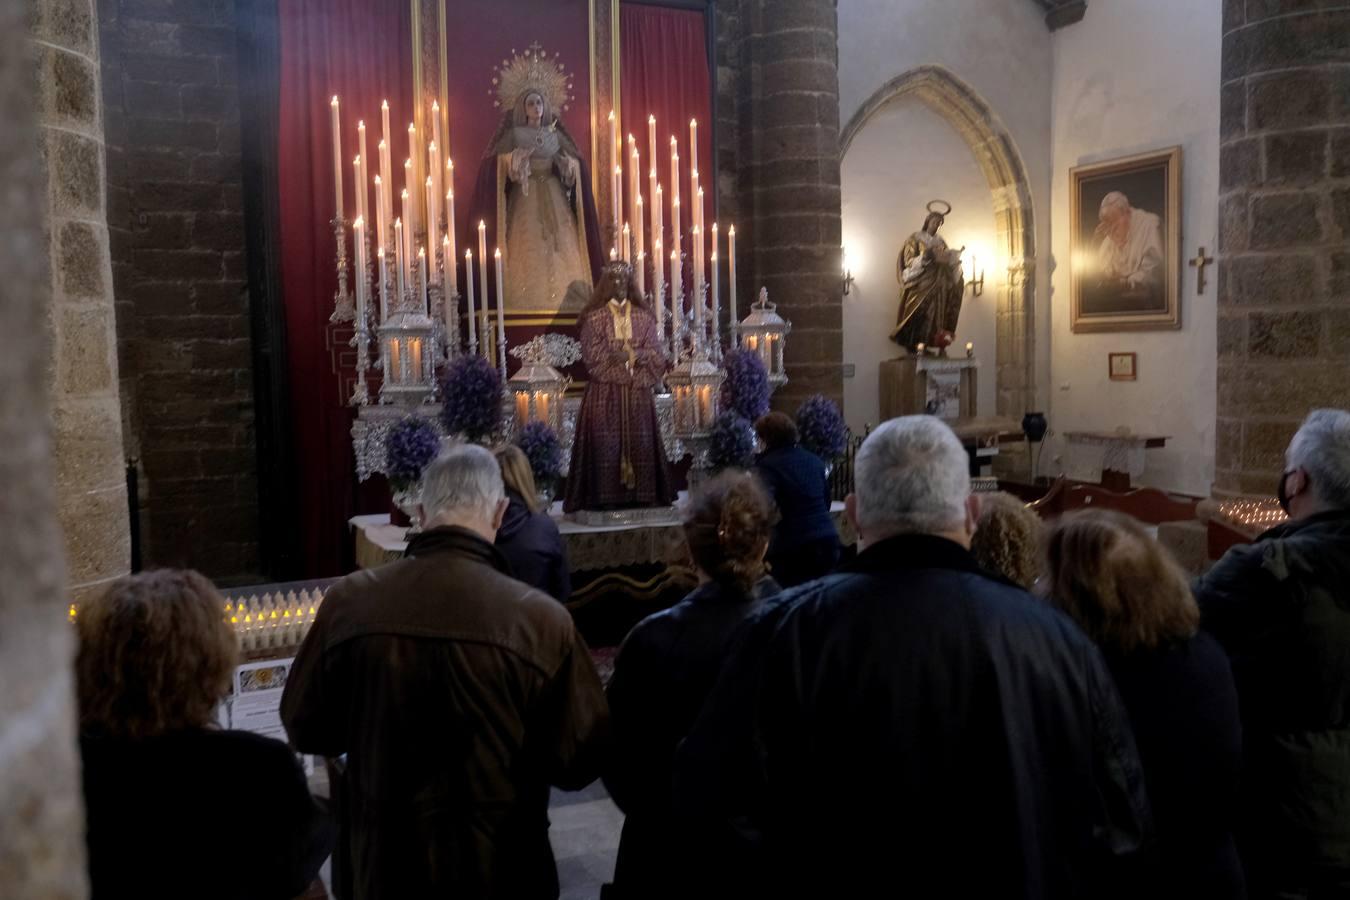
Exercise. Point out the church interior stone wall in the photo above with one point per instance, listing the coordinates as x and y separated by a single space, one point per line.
1108 105
175 204
1284 231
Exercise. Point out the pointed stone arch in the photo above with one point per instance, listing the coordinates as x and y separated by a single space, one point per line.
997 156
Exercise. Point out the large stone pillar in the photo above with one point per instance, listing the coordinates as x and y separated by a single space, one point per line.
1284 221
46 220
91 499
788 189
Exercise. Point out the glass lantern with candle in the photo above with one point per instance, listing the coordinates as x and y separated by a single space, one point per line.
765 332
696 386
538 387
406 359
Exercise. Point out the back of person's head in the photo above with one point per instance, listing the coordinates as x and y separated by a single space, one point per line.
776 430
728 524
155 655
464 481
912 476
517 475
1118 583
1007 539
1321 447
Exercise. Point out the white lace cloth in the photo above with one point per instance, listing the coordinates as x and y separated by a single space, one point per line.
1089 454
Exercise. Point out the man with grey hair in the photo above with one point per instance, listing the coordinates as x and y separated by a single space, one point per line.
914 726
1281 608
458 696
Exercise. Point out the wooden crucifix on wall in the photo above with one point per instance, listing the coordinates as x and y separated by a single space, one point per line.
1200 261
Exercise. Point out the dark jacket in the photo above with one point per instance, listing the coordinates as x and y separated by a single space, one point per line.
663 673
912 727
1281 608
459 695
1183 711
805 542
220 815
534 548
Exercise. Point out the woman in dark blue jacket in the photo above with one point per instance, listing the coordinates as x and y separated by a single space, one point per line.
805 544
1121 587
528 538
667 666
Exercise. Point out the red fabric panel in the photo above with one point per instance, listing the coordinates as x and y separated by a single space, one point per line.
357 50
664 71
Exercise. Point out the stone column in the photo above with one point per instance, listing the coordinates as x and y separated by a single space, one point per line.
1284 231
45 219
789 199
91 499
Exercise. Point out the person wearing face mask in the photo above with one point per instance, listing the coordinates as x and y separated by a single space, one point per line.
912 725
1280 606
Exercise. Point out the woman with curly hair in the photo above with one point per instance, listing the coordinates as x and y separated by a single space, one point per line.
668 664
168 795
1007 539
1134 601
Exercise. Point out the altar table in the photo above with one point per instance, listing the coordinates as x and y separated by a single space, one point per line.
1108 458
589 547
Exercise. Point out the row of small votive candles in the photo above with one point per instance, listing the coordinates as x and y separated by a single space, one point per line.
1253 515
273 620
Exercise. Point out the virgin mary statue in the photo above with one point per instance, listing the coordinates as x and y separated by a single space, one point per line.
533 188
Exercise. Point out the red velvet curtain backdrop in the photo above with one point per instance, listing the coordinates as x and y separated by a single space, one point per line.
665 72
361 51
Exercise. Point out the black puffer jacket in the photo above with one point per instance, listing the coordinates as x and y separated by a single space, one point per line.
1281 608
912 727
534 548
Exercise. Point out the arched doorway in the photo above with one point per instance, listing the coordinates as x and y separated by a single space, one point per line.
996 154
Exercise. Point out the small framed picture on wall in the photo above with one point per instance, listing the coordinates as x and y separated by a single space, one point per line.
1122 366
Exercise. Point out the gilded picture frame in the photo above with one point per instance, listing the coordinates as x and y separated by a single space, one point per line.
1125 243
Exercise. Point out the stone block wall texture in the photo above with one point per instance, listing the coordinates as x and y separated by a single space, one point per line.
1284 230
60 378
175 211
778 169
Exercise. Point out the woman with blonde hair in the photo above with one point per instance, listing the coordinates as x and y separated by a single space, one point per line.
667 666
1007 539
528 538
156 658
1134 601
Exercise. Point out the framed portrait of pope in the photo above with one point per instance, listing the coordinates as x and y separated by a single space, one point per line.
1125 243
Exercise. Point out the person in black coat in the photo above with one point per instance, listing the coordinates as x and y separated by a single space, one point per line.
666 667
912 726
805 543
176 807
1118 583
528 538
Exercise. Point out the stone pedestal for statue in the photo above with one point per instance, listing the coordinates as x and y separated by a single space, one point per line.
942 386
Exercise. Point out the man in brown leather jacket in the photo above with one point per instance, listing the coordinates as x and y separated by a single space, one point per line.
459 695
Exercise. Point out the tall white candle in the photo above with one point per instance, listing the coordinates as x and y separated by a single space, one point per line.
676 303
696 236
436 122
433 214
658 278
356 177
422 271
415 156
381 220
676 239
693 146
400 260
363 177
716 305
451 262
386 169
674 176
501 316
634 177
617 188
625 245
468 288
385 202
405 240
448 305
409 211
384 279
659 226
358 238
641 248
483 269
337 155
731 285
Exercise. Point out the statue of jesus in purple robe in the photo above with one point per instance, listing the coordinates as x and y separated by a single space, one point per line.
618 460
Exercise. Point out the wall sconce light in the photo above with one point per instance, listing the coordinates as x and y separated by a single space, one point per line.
848 273
975 279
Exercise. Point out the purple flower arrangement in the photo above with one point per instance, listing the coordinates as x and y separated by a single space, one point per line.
473 398
821 427
544 451
731 443
746 388
409 446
